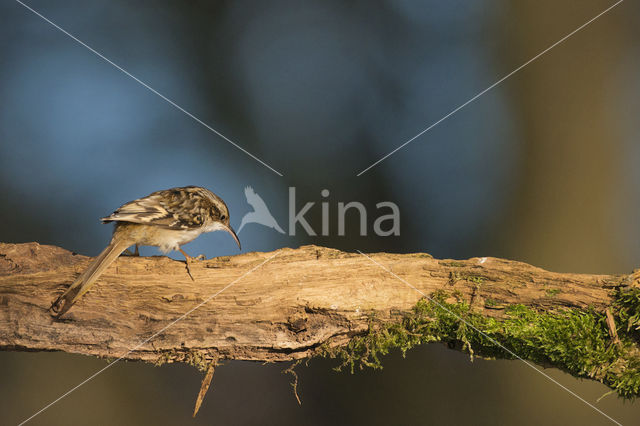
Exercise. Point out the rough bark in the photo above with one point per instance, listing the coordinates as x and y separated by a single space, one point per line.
300 299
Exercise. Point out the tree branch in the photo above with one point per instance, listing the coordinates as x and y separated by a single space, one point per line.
286 309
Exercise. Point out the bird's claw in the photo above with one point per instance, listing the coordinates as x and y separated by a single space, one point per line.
189 259
189 270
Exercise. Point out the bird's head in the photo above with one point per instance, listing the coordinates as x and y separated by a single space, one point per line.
219 214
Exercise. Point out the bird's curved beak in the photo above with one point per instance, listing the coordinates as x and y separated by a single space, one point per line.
230 230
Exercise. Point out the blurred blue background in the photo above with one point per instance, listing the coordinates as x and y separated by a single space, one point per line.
541 169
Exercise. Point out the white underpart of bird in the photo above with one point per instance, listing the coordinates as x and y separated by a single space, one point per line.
260 214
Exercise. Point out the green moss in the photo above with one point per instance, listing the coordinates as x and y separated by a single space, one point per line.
553 292
573 340
192 357
475 279
453 264
427 255
627 305
455 276
490 303
494 304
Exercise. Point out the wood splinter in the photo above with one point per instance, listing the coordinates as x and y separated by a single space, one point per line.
611 324
206 382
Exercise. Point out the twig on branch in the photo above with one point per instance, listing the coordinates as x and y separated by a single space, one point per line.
204 387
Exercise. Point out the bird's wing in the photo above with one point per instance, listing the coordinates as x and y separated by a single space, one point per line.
255 200
177 208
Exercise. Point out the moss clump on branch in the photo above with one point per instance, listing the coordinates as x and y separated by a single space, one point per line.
573 340
196 358
627 306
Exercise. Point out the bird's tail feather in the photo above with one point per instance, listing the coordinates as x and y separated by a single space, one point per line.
84 282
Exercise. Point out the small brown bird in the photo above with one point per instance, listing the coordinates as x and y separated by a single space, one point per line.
166 219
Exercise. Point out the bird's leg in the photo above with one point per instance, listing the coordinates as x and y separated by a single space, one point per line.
127 252
188 260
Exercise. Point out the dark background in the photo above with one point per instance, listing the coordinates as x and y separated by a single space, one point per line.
542 169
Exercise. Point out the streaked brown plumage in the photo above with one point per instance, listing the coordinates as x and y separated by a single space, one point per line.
166 219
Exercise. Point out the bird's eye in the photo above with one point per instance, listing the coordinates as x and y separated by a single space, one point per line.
223 217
